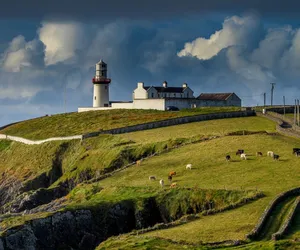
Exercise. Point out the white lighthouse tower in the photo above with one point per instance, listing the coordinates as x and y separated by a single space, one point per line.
101 86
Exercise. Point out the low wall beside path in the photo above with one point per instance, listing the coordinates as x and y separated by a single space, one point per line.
171 122
31 142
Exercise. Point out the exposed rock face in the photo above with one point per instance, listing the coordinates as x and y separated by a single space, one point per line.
81 229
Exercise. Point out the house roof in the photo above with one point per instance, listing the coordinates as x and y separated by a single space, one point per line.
167 89
214 96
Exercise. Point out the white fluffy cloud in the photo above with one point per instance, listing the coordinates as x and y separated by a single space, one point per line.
22 54
236 31
62 40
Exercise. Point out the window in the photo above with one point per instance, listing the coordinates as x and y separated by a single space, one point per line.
152 95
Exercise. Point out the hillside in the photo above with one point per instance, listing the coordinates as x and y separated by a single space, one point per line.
79 123
73 194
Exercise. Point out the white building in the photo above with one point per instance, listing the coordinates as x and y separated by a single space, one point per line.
154 97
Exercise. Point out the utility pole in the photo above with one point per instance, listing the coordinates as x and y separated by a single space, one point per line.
272 91
298 117
284 105
295 112
65 93
264 99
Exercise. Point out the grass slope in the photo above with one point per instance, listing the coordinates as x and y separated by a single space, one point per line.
211 171
218 127
80 123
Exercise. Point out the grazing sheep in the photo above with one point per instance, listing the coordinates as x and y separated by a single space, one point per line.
173 185
270 153
259 154
170 178
138 163
276 157
152 178
243 156
189 166
296 150
239 152
162 183
172 173
228 158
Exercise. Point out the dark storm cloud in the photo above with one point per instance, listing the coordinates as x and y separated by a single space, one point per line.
112 9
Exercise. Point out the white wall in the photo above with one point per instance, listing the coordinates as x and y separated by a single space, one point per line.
85 109
140 92
120 105
158 104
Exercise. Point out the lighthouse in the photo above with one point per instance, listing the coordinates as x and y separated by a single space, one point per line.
101 86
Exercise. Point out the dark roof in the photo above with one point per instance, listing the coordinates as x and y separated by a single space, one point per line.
167 89
214 96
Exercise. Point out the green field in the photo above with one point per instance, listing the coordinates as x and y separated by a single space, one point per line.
210 174
85 122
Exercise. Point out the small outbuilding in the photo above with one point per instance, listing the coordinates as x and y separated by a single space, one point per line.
218 99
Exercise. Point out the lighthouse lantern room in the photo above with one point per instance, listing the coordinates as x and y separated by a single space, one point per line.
101 86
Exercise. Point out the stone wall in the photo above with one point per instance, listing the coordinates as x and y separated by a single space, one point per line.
285 226
171 122
267 212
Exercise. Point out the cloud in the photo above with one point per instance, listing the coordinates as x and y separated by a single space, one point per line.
236 31
250 55
61 41
21 54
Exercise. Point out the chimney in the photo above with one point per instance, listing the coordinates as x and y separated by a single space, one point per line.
165 84
140 85
184 85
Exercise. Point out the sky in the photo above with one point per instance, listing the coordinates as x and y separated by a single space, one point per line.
48 52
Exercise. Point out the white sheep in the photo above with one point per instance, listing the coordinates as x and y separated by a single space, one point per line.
270 153
243 156
189 166
152 178
162 183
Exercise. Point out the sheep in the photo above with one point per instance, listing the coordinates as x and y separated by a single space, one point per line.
259 154
138 163
295 150
243 156
162 183
173 185
170 178
228 158
152 178
172 173
239 152
276 157
189 166
270 153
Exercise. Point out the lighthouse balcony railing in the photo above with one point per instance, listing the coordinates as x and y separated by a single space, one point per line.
99 79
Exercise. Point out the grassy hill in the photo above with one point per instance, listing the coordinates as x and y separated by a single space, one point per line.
80 167
80 123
